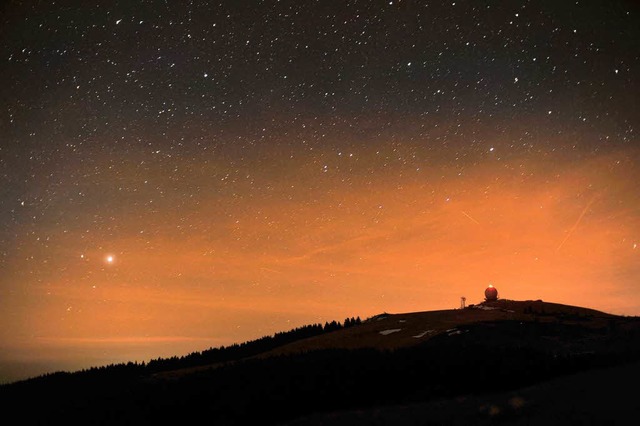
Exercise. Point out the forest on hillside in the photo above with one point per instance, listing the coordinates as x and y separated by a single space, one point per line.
485 357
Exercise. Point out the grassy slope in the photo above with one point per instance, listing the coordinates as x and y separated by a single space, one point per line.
368 334
427 325
357 366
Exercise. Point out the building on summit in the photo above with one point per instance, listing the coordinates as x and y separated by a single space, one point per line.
491 294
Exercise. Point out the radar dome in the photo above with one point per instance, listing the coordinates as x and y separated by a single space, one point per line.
491 294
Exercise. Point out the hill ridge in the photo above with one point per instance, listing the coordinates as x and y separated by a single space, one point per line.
306 337
386 359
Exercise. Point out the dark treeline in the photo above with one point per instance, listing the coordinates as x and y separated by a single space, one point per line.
234 352
247 349
484 358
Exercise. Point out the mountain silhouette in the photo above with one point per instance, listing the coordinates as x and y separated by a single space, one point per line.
503 361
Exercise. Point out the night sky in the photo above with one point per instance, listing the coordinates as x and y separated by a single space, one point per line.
177 175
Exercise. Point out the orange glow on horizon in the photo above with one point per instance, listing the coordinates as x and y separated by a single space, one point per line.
287 258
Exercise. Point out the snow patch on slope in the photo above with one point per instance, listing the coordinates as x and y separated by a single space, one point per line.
424 333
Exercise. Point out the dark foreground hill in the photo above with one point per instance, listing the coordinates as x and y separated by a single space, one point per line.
504 361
